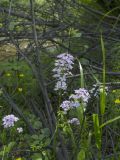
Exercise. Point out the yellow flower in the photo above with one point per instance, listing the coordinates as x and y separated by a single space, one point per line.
8 74
21 75
117 101
20 89
19 158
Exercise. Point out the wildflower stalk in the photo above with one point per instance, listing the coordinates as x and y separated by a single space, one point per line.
63 67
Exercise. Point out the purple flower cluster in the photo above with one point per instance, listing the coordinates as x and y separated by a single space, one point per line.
9 121
81 96
63 67
66 105
74 121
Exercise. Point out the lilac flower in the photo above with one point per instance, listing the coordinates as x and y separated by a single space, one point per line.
60 85
66 57
20 130
74 121
81 94
9 120
66 105
74 104
63 67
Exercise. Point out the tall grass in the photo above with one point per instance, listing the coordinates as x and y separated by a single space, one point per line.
98 120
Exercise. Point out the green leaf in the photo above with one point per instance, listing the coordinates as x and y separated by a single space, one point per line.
36 156
78 35
37 124
102 93
102 100
109 121
41 137
80 112
11 25
97 130
81 155
35 136
7 149
10 146
81 75
45 131
1 153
